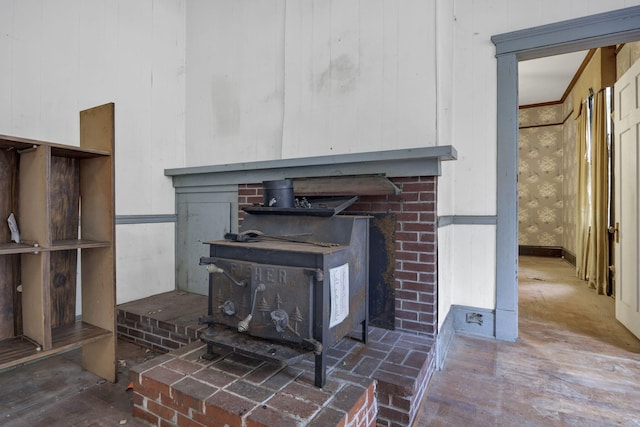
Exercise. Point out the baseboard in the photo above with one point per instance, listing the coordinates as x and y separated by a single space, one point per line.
542 251
571 258
463 320
473 321
443 340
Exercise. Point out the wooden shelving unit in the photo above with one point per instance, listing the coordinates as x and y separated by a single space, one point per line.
63 199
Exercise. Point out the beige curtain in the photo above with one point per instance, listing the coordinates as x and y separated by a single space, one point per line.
592 200
582 195
598 252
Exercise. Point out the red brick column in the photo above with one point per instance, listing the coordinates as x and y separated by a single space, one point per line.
248 195
416 256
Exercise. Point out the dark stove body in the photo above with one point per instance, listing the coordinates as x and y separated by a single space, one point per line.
302 282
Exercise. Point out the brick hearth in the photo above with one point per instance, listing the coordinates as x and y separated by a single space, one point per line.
382 383
397 365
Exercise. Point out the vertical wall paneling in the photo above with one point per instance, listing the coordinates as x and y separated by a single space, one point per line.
473 112
417 74
473 266
340 80
444 100
371 38
134 83
350 88
6 51
166 101
234 90
59 72
63 56
26 69
145 260
97 59
391 74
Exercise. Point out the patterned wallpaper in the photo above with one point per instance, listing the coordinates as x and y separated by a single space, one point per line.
626 57
541 192
548 168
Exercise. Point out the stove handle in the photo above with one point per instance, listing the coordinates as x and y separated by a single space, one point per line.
243 325
212 268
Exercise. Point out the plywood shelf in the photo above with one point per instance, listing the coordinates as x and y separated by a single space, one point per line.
20 144
19 350
17 248
62 245
48 187
58 245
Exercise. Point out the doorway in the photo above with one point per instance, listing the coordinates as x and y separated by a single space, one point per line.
569 36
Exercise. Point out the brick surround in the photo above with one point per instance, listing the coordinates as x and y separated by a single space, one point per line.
416 246
382 383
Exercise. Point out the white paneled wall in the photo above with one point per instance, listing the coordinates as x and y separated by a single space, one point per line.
473 265
59 57
445 272
234 64
359 76
286 79
144 260
219 81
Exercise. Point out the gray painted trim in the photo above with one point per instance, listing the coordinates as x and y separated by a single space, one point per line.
443 340
577 34
462 320
446 220
394 163
507 208
145 219
209 188
473 321
613 27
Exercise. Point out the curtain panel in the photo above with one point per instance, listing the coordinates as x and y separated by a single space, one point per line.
598 252
592 201
582 195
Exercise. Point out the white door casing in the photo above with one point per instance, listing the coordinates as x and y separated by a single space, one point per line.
626 197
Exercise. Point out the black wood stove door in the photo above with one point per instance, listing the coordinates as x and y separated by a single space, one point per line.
266 301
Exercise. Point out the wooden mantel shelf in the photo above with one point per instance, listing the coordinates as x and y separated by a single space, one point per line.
423 161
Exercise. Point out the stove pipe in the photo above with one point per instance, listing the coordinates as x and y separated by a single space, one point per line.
278 194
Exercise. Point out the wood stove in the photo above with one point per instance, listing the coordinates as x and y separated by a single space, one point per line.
293 280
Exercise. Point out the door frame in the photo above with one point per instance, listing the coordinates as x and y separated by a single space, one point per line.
605 29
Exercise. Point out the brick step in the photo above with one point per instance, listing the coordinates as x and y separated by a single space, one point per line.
396 365
182 388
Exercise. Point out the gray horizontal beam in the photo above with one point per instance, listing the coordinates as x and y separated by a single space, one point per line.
394 163
445 220
145 219
571 35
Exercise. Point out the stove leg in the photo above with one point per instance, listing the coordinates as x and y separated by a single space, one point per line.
365 331
321 369
209 355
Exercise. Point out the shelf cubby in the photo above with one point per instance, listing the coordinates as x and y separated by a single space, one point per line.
63 199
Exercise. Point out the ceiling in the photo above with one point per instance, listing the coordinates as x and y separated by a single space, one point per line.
546 79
